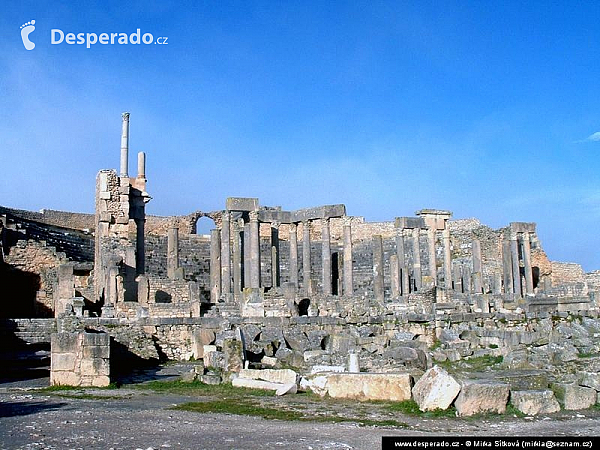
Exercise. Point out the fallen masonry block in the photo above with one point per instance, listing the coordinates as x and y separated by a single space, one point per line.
370 386
281 376
480 396
534 402
590 379
360 386
279 388
573 397
436 389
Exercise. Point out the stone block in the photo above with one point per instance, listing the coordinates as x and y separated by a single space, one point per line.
256 384
436 389
214 359
63 361
241 204
281 376
369 386
233 355
315 383
324 368
291 388
96 352
64 378
590 379
409 222
477 397
320 212
341 343
534 402
100 381
573 397
64 342
93 367
297 340
408 356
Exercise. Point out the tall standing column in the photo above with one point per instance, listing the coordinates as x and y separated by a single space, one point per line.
516 269
237 256
246 242
447 258
215 265
254 250
395 276
125 146
172 252
275 279
378 267
294 254
527 263
326 256
306 257
348 280
402 265
507 274
432 258
416 233
477 275
226 252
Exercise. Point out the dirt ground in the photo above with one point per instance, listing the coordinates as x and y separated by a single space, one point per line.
129 418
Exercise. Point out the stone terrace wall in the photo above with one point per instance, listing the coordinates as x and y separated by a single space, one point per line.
77 221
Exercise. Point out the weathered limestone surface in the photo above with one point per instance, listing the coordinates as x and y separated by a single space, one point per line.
478 397
369 386
534 402
436 389
574 397
80 359
281 376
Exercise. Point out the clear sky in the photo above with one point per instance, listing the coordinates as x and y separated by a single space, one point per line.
485 108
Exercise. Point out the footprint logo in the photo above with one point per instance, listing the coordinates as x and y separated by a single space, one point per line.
26 30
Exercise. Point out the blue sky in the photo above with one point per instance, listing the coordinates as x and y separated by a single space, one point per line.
487 109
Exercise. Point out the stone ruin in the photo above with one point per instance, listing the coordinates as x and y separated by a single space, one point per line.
357 309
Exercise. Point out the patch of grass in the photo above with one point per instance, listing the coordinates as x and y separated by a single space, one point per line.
245 408
66 387
587 354
511 410
436 344
492 346
410 408
199 388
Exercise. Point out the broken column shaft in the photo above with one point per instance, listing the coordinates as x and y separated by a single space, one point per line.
348 280
326 256
125 146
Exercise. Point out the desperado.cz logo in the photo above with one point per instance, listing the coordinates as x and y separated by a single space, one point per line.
58 36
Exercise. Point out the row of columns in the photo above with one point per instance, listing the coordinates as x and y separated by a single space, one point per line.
517 244
246 256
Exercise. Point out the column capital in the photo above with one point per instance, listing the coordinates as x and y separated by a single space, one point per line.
347 221
253 216
275 224
226 216
446 233
293 227
324 221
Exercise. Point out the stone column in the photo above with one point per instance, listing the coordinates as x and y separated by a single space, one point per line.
246 254
516 270
294 254
215 265
458 278
402 265
254 250
527 263
238 227
477 275
348 279
226 252
306 257
507 274
125 146
326 256
141 169
172 252
395 275
447 258
275 279
416 232
431 249
378 267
